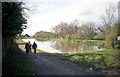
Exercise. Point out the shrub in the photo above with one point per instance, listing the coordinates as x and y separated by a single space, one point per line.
99 37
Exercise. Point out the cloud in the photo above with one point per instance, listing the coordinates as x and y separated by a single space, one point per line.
87 12
49 14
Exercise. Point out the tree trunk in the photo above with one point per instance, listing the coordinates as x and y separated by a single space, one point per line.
6 43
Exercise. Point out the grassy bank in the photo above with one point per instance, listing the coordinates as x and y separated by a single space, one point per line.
64 40
41 51
14 62
99 60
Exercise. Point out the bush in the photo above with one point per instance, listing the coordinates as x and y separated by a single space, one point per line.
74 58
101 44
99 37
111 37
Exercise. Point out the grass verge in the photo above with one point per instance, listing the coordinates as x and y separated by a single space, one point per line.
41 51
105 59
14 63
21 67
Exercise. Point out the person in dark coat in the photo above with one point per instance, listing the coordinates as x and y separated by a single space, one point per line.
34 46
27 47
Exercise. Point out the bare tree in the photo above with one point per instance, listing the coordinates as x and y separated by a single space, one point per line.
108 18
60 29
86 31
64 29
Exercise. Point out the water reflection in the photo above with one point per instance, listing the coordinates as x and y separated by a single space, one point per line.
71 48
60 47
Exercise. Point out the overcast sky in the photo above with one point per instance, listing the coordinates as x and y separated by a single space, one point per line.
48 13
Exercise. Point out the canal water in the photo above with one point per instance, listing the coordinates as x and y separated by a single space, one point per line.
60 47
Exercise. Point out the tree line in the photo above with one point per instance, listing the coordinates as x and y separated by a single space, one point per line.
75 30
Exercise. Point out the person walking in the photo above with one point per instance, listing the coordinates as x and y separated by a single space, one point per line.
34 46
27 48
